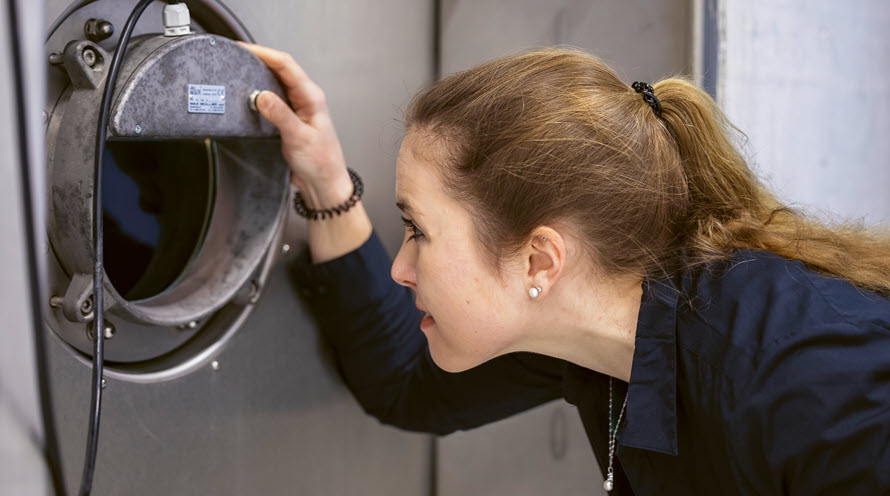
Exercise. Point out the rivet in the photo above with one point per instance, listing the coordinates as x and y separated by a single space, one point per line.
104 383
285 248
212 41
138 128
214 365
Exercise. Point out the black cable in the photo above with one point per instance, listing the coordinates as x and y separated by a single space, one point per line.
89 462
32 231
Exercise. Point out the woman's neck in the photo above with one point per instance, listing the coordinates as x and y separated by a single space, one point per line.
591 323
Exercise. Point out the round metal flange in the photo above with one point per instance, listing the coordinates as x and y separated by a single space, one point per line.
162 335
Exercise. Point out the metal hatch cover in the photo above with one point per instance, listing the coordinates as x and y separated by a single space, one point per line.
154 98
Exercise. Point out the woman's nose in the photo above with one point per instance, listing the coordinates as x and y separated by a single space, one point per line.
402 270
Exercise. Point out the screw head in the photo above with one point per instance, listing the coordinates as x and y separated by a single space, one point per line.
138 129
87 306
212 41
104 383
214 365
89 57
285 248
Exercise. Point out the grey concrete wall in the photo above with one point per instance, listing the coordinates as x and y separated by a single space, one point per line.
807 81
22 468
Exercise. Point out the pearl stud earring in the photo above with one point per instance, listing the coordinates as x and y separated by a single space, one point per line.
534 292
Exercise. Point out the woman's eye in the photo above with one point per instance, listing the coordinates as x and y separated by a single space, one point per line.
415 232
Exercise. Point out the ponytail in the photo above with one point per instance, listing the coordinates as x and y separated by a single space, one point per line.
730 208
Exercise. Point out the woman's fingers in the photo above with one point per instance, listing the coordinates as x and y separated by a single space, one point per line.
279 113
306 96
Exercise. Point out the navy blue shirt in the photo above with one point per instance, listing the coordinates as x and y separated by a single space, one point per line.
752 375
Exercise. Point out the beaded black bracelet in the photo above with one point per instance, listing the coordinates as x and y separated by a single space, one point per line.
315 214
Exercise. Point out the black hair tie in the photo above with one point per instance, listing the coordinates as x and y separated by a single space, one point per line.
648 93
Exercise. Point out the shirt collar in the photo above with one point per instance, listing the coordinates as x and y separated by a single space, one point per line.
652 391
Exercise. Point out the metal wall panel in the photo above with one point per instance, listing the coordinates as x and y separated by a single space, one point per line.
808 82
274 416
642 40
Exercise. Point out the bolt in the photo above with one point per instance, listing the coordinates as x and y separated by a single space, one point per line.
214 365
212 41
109 330
251 99
285 248
55 58
97 30
87 306
56 301
189 325
104 383
254 292
89 56
138 129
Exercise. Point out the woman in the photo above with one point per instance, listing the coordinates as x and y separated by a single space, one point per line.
570 236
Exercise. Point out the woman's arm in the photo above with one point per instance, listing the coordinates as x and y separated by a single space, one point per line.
373 326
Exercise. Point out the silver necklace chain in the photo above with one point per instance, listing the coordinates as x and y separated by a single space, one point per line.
609 483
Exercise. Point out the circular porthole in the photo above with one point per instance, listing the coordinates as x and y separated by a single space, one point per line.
194 199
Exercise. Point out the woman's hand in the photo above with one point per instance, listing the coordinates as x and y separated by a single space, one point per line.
312 150
308 140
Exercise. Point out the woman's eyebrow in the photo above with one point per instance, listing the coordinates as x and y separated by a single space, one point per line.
404 207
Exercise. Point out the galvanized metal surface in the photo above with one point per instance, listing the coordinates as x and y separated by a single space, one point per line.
152 101
272 416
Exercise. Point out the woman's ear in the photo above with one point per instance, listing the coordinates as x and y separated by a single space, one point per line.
546 255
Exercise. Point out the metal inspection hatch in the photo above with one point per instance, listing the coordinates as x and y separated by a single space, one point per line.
194 194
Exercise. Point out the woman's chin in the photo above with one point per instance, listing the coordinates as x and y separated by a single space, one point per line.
448 361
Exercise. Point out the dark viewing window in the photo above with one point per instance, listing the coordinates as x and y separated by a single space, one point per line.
156 205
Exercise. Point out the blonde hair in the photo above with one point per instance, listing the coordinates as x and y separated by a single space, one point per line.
554 136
